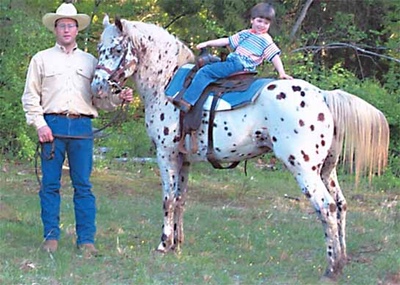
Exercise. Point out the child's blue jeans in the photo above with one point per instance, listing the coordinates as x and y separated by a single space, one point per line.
208 74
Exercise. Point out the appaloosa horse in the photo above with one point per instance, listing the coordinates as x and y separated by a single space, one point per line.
304 126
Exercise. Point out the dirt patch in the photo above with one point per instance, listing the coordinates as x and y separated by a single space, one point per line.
391 279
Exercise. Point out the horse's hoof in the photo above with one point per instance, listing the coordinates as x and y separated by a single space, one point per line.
325 280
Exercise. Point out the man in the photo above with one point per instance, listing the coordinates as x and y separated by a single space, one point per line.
58 102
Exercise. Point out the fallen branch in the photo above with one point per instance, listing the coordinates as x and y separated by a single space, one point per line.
316 49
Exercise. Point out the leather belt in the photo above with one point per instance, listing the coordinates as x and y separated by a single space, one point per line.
71 116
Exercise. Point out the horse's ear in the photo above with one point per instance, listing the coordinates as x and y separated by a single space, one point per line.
106 21
118 23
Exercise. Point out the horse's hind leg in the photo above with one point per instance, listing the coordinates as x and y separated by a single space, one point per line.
329 177
326 209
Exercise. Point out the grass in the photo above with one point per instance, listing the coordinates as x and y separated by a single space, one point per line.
239 230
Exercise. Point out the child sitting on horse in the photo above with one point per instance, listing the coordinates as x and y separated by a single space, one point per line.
250 48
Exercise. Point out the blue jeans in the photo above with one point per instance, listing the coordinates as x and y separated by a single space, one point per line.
80 158
208 74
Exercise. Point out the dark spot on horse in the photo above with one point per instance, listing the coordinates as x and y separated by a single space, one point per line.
296 88
323 143
302 93
225 128
301 123
274 139
282 119
307 194
281 96
344 207
162 117
229 134
295 131
332 207
312 128
291 159
305 156
302 104
333 184
321 117
233 151
166 131
271 87
314 168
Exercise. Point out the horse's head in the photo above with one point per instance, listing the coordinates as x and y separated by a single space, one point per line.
117 59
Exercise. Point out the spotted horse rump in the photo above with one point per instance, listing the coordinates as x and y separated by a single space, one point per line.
303 125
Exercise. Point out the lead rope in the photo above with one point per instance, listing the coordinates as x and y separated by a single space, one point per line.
88 136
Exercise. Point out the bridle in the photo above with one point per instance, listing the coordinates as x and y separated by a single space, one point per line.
116 79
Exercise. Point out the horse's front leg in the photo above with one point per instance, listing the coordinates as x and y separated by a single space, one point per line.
180 204
170 170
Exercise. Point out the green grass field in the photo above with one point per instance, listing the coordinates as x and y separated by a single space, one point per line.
239 230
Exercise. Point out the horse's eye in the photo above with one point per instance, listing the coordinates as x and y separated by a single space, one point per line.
118 49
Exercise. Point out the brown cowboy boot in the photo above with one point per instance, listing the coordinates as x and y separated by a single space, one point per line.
88 250
181 104
50 245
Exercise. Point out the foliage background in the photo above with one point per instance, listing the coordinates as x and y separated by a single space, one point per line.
367 63
129 208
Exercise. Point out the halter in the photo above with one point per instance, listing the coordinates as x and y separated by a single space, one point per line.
114 78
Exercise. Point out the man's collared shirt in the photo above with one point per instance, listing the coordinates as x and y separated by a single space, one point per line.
58 82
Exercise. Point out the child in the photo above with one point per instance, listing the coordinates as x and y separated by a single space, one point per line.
251 47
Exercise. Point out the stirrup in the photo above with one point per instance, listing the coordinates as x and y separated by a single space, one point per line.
193 143
181 146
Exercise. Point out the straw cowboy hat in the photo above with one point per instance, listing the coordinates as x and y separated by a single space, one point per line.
66 10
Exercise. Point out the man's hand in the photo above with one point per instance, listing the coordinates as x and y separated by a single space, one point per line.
126 95
45 134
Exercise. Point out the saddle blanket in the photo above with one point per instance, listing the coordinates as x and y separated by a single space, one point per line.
229 100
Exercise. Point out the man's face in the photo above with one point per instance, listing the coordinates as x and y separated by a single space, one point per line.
66 31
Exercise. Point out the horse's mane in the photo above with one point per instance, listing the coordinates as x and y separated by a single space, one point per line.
141 33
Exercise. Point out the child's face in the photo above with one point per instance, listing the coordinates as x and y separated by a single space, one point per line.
260 25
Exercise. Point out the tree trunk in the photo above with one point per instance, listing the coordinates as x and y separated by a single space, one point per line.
300 19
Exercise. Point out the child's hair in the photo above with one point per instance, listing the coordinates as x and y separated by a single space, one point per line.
263 10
